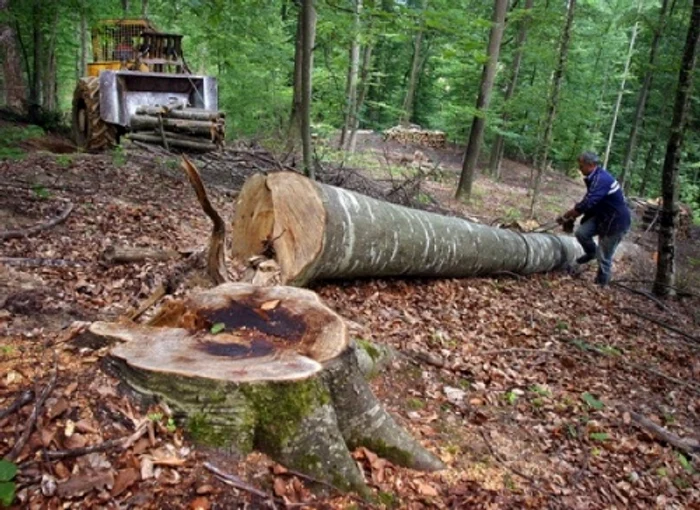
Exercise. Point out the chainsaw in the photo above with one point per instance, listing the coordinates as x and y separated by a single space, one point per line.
567 225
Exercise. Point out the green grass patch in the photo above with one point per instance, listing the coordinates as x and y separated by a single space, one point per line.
10 136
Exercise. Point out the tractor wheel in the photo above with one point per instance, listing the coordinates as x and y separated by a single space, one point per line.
90 132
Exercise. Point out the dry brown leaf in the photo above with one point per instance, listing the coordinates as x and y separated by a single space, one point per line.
200 503
60 407
125 479
279 487
81 484
204 489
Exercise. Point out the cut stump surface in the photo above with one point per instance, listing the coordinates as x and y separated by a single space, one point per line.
266 368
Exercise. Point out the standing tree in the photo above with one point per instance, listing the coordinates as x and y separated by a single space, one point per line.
407 112
353 75
621 92
308 31
15 90
642 99
476 135
498 144
666 267
553 101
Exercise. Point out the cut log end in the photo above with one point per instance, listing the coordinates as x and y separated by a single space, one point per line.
282 216
267 368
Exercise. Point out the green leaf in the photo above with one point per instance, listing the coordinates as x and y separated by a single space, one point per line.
685 463
217 328
7 493
592 401
8 470
600 436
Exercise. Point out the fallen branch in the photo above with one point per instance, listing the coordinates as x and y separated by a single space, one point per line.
22 400
30 262
18 234
657 373
689 446
126 254
237 482
645 294
662 324
31 422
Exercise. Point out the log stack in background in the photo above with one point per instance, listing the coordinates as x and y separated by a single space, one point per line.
416 135
650 212
179 127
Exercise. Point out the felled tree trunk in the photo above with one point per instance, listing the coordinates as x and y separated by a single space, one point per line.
316 231
266 368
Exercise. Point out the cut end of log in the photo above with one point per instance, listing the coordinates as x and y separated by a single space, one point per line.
280 215
234 332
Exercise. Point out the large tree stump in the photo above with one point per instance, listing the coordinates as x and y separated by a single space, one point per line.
315 231
266 368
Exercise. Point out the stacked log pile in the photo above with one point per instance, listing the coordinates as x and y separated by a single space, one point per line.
178 127
416 135
650 213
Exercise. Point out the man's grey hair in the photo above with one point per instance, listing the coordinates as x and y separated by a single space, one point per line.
589 158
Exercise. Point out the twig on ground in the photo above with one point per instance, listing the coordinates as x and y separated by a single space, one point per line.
645 294
519 350
22 400
31 422
18 234
662 324
507 465
31 262
237 482
660 374
689 446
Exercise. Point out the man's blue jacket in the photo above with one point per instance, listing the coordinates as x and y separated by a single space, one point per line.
605 202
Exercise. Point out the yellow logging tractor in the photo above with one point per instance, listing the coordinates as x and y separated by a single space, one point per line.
139 85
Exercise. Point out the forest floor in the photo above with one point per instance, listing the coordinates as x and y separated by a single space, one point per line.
533 390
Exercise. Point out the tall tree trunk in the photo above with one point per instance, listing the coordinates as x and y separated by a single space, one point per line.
15 89
364 87
498 144
294 130
553 102
620 93
407 113
353 74
642 99
308 32
144 8
666 263
38 43
125 6
476 135
82 63
50 80
646 173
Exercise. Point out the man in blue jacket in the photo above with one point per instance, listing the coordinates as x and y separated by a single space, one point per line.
605 214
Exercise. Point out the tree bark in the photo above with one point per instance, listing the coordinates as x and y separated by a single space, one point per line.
498 144
308 31
476 135
353 75
38 43
407 113
364 87
553 102
265 368
642 99
50 78
621 92
316 232
646 173
15 88
664 283
83 57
